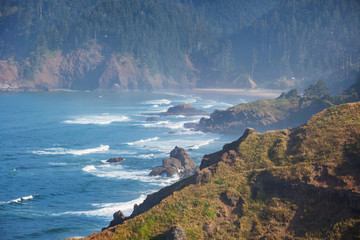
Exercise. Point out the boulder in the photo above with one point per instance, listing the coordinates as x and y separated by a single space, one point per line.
115 160
179 163
183 109
176 233
169 172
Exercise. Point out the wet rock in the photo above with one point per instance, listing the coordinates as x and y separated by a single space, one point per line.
183 109
179 163
115 160
168 172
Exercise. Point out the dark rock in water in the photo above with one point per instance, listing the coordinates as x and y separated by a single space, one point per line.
179 163
176 233
151 119
163 170
115 160
183 109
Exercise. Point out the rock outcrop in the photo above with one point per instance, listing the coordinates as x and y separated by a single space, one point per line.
183 109
176 233
115 160
179 164
118 218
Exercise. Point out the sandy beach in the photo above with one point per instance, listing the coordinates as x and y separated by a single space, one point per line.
265 93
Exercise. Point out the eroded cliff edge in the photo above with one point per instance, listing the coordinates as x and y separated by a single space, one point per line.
297 183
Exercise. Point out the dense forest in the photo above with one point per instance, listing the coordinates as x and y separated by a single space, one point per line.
236 43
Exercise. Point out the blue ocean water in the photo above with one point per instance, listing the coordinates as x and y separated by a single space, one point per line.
54 181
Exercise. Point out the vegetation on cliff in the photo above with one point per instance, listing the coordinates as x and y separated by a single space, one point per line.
297 183
288 110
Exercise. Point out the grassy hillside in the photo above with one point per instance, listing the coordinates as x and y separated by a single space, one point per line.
297 183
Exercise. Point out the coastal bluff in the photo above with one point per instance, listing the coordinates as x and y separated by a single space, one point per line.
297 183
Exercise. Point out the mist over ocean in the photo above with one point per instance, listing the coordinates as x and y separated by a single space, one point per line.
55 183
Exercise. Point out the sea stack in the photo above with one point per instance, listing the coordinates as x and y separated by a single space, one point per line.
183 109
179 164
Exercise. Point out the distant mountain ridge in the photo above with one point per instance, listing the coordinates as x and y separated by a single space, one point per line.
177 44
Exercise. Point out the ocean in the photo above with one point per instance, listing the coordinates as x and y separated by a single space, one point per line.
54 179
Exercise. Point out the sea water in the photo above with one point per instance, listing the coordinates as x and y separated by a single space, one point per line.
54 179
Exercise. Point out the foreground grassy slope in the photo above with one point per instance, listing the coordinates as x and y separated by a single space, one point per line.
297 183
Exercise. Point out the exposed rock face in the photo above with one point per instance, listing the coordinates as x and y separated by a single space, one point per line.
262 115
119 218
115 160
227 154
183 109
179 163
176 233
86 68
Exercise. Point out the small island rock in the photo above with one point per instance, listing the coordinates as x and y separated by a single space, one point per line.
115 160
183 109
179 164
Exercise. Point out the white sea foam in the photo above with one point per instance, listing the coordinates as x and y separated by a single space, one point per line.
17 200
146 156
208 106
108 209
89 168
141 141
57 164
158 102
62 151
191 100
213 103
122 173
104 119
197 146
168 124
165 146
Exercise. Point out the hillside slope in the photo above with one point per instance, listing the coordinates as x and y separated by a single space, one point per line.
297 183
178 43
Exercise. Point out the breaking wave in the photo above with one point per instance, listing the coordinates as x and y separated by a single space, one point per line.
21 199
121 173
62 151
107 209
142 141
158 102
98 119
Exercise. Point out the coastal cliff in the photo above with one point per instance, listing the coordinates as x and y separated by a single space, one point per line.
297 183
288 110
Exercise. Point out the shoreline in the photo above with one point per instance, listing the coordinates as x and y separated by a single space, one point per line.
271 93
258 92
